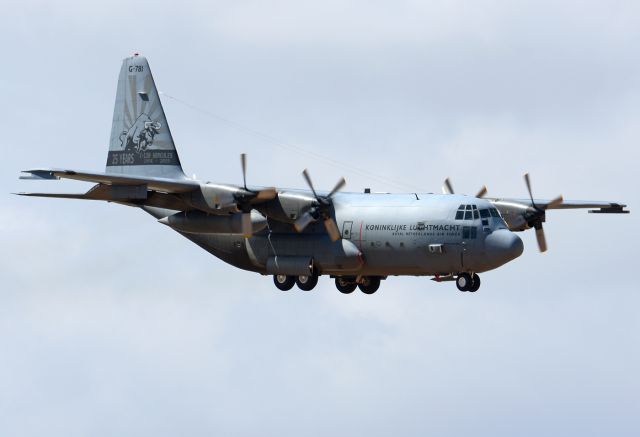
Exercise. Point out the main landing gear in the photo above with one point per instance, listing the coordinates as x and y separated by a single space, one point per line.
304 282
467 282
344 284
366 284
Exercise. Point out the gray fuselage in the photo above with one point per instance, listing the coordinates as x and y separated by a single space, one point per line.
382 235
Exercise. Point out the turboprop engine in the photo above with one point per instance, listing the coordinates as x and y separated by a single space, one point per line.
198 222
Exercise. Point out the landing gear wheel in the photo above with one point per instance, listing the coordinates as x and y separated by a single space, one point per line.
306 282
284 282
464 282
476 283
345 286
369 285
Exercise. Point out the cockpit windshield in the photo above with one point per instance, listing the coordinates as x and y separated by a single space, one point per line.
472 212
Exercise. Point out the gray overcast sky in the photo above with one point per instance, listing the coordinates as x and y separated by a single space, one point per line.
110 324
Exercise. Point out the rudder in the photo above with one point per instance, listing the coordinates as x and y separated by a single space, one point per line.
141 143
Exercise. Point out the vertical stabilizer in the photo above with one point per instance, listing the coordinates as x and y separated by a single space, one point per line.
141 142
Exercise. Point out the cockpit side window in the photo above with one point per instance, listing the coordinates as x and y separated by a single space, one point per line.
484 213
494 212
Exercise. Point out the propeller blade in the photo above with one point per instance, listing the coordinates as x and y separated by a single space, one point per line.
447 188
247 229
542 241
341 183
555 202
482 192
243 162
303 221
305 173
266 194
332 229
528 182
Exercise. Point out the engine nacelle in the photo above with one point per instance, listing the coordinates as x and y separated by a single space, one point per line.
287 207
198 222
515 215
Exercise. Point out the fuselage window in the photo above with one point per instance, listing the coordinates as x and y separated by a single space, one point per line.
469 232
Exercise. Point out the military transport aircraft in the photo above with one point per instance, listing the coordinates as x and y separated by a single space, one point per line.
298 235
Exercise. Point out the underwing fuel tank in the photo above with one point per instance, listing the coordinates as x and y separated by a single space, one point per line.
198 222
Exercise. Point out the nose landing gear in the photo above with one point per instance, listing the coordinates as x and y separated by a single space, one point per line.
467 282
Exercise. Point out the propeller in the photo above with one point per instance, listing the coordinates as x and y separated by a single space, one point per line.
483 191
245 199
243 163
320 208
536 217
447 188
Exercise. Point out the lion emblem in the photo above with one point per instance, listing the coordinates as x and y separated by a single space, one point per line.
140 135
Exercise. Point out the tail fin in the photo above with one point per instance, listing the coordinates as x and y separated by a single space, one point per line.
141 142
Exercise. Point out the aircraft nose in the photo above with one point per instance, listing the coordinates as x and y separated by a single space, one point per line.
503 246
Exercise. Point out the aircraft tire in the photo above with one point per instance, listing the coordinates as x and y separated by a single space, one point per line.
284 282
476 283
464 281
370 285
345 286
307 283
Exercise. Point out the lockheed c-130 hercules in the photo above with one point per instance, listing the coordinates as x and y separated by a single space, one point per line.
298 235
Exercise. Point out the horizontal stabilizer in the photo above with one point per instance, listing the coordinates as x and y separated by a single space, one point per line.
111 193
55 195
153 183
38 175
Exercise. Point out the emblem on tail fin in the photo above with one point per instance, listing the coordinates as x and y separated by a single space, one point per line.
140 135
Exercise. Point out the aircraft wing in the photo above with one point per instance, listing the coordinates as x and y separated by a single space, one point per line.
152 183
594 206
